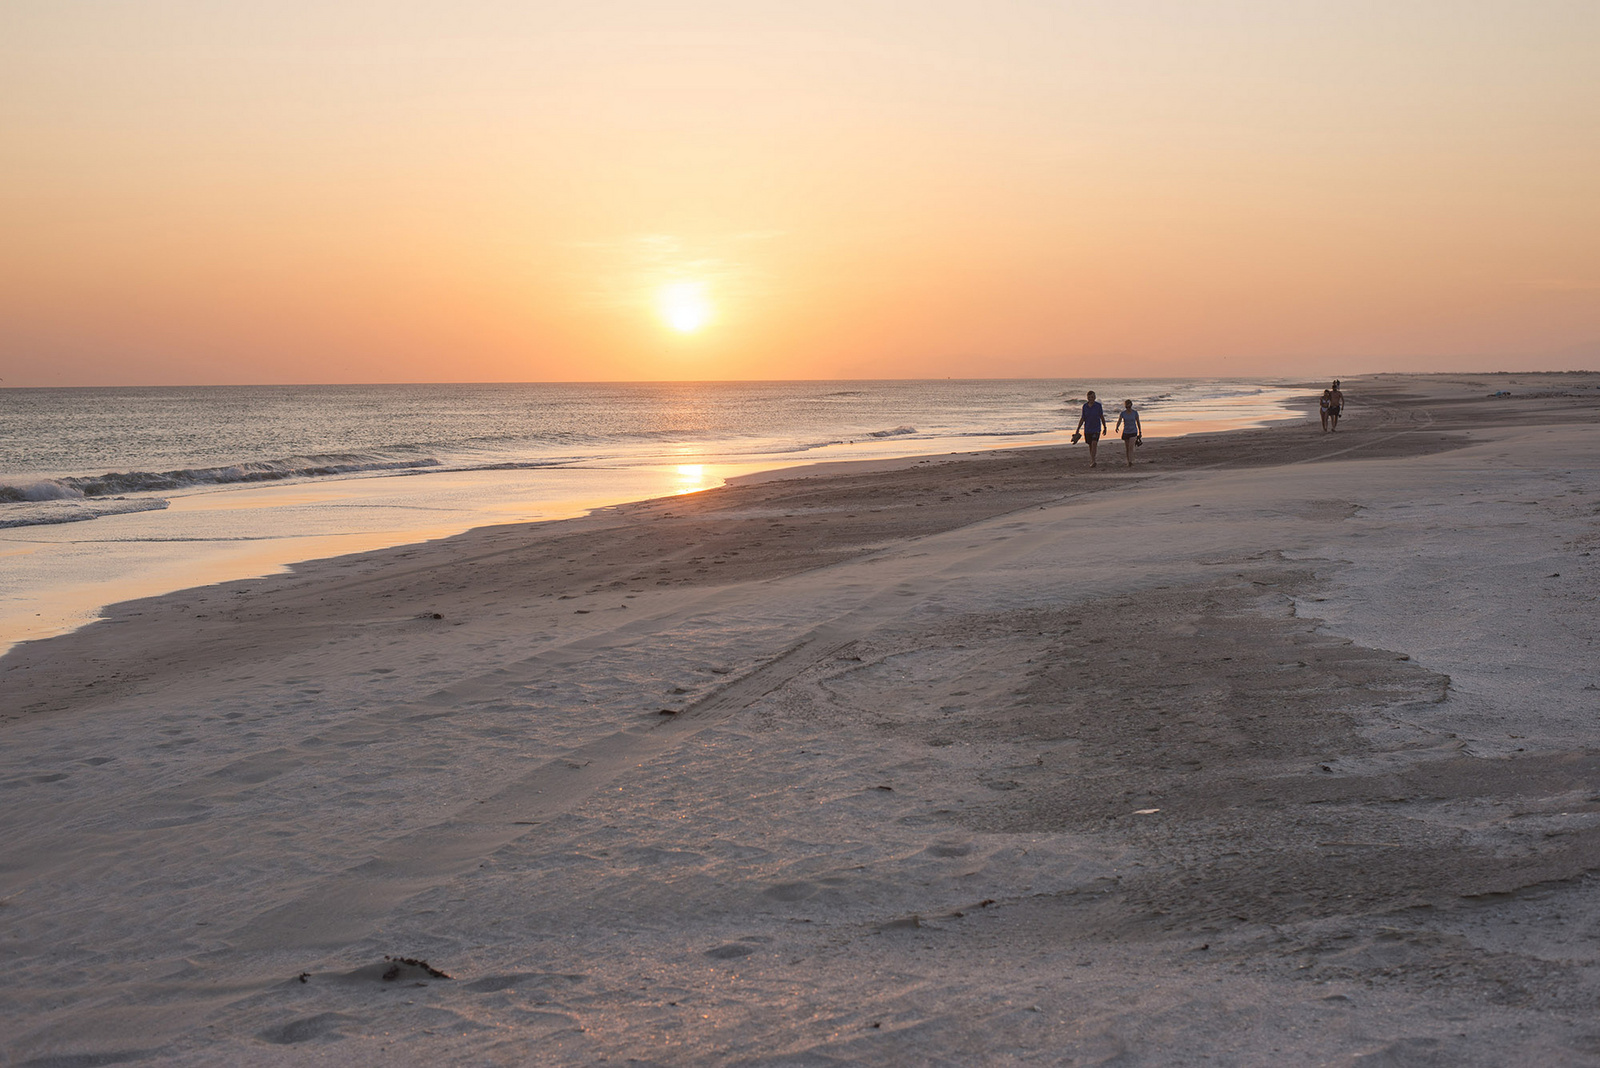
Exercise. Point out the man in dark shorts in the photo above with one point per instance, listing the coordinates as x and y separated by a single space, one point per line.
1335 406
1093 423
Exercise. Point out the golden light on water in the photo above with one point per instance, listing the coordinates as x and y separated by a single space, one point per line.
692 478
685 306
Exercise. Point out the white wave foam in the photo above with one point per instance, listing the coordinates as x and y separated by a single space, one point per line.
43 489
75 510
117 482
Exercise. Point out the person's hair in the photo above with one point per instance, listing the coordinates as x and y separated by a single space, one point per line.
1091 394
1127 404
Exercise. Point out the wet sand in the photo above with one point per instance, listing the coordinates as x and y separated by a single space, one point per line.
1278 747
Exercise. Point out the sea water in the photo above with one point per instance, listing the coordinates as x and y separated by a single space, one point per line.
112 493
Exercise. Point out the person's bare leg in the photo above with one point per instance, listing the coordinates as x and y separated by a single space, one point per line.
1094 449
1128 443
1324 420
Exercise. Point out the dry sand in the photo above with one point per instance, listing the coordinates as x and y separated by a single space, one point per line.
1277 748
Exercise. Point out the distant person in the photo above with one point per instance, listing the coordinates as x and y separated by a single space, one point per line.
1335 406
1092 423
1327 403
1128 423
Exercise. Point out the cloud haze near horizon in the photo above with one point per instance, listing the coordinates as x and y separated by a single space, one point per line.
197 192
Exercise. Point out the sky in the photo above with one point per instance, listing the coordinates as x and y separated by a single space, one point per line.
244 191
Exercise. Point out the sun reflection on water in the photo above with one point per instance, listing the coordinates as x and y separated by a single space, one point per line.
692 479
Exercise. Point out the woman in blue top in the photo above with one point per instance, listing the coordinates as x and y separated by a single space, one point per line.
1128 423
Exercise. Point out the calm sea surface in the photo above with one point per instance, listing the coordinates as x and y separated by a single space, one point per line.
112 493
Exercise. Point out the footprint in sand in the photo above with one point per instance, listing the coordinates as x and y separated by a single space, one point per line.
307 1029
796 891
491 984
741 948
731 951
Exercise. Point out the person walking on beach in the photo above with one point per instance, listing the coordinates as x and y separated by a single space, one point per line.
1327 403
1128 423
1092 422
1335 405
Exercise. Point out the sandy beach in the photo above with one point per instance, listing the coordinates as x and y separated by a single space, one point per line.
1276 748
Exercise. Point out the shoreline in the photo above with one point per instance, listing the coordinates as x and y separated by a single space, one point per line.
1210 445
167 551
1160 456
1278 747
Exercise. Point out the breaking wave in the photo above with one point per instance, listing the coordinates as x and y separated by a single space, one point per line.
69 488
34 513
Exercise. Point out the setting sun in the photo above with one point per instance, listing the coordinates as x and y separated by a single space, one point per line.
684 305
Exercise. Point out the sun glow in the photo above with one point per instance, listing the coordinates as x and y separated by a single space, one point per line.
684 305
692 478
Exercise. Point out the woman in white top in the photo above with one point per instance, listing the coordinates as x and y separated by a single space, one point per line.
1128 423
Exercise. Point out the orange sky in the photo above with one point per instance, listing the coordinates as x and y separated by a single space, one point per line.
409 190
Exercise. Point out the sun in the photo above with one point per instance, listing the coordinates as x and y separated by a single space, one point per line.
684 305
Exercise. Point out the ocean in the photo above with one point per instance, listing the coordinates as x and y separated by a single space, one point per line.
111 493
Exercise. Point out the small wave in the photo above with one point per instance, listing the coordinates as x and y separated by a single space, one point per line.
521 465
1007 433
897 432
805 446
44 489
113 483
47 512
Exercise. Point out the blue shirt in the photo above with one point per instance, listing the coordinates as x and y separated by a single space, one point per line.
1094 418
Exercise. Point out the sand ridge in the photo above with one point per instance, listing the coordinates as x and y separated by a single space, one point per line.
993 758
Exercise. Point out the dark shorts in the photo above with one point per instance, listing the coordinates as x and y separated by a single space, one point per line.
1091 435
1334 410
1129 437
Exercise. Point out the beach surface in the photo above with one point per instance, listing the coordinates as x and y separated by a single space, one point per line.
1278 747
